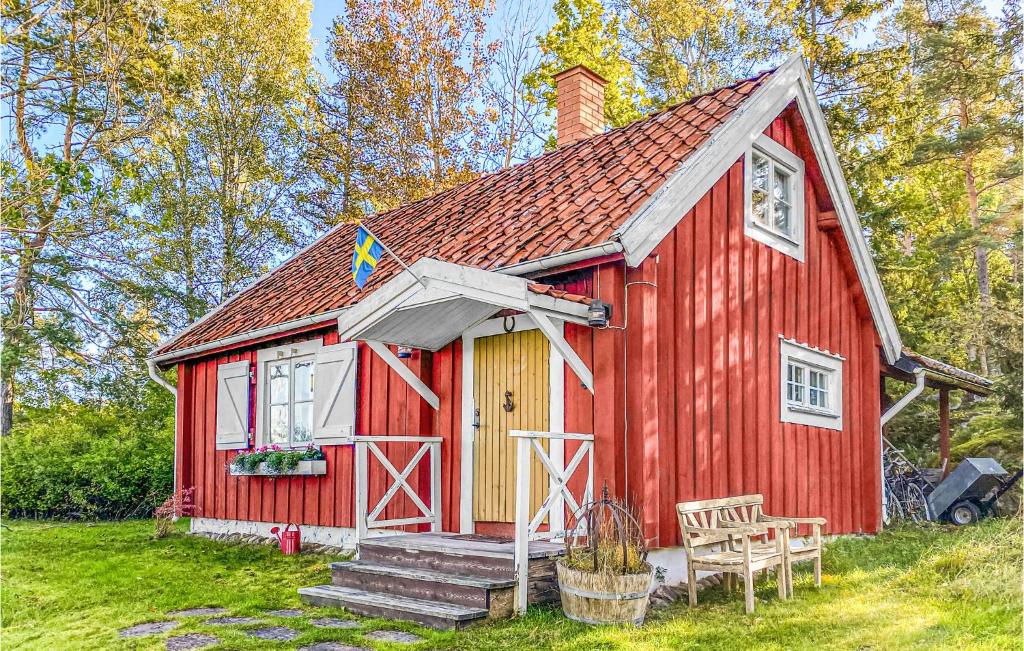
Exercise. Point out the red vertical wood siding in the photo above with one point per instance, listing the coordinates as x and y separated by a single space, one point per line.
723 300
686 402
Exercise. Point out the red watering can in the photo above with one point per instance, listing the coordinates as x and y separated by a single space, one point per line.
290 540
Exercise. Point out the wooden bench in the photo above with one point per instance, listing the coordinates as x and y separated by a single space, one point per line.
729 535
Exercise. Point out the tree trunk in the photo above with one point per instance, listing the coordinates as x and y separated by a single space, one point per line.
981 263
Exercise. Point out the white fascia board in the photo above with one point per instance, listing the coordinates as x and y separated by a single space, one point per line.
642 232
559 308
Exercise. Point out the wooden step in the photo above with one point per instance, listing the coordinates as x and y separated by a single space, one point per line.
494 595
391 606
452 553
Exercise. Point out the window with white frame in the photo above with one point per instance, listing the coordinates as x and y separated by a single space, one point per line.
306 394
811 386
774 197
286 377
291 401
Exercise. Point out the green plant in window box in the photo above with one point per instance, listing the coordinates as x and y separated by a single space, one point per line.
279 461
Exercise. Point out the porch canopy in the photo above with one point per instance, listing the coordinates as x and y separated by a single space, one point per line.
433 302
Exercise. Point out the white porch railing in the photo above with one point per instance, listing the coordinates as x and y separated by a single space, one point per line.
559 496
367 518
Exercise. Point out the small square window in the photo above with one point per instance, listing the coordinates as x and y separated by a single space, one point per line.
774 184
811 386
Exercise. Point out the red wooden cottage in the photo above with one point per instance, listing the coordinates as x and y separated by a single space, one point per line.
690 298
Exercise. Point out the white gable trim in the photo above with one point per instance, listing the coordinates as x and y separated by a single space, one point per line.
643 231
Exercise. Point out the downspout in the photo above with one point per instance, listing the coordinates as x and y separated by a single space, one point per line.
154 374
889 414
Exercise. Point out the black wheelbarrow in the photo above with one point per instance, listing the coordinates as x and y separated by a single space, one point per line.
970 492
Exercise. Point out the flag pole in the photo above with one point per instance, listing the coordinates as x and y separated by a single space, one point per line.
360 224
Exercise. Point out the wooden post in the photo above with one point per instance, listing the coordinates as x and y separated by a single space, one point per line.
522 535
944 429
362 491
435 485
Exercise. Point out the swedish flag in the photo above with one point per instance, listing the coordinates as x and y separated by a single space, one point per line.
365 257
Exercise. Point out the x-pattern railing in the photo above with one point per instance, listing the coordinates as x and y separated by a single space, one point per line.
367 518
559 495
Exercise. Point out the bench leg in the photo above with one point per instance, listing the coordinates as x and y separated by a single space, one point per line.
691 584
748 590
817 570
780 578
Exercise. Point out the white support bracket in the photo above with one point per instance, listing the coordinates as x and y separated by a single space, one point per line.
554 335
406 374
891 412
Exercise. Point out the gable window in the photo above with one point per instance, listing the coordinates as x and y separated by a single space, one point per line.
774 196
811 386
305 394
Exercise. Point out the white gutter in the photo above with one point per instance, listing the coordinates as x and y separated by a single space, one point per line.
323 317
154 375
561 259
891 412
520 269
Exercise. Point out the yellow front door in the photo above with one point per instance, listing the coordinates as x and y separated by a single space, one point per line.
510 390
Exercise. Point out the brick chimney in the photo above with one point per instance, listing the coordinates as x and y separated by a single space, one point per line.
580 93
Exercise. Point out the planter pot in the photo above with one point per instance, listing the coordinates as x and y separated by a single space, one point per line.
604 598
308 467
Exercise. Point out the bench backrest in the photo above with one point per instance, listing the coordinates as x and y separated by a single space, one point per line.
711 514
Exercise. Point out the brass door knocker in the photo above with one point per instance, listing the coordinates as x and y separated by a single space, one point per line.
509 405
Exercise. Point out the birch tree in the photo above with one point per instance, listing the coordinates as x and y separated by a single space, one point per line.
77 87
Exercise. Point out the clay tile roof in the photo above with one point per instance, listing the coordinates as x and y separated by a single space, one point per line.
549 290
566 199
977 382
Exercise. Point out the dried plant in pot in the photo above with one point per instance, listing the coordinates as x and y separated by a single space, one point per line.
604 577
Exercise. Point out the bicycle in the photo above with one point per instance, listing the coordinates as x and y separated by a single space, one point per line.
905 497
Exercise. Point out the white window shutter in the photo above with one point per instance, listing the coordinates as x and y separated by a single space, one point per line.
233 406
334 394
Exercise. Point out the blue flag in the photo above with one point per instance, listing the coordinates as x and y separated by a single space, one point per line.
366 256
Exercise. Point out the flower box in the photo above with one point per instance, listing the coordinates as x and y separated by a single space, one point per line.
311 467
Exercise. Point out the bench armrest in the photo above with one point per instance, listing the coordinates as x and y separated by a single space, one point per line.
770 518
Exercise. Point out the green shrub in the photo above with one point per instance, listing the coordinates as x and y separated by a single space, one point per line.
80 461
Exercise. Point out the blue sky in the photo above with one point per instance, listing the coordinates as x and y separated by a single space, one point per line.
324 12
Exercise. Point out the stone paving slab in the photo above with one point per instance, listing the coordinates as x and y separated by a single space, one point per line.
332 646
334 622
276 633
393 636
191 641
149 628
229 621
198 612
287 612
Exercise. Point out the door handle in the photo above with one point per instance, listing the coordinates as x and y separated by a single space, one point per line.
476 418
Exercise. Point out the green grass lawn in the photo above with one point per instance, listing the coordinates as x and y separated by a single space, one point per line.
73 586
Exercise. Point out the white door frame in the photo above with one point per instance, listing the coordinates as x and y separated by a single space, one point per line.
556 411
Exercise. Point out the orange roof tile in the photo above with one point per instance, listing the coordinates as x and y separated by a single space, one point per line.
566 199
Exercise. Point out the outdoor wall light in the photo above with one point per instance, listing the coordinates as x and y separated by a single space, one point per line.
404 352
599 313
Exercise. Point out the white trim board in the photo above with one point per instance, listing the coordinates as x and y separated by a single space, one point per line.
696 175
340 537
556 411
